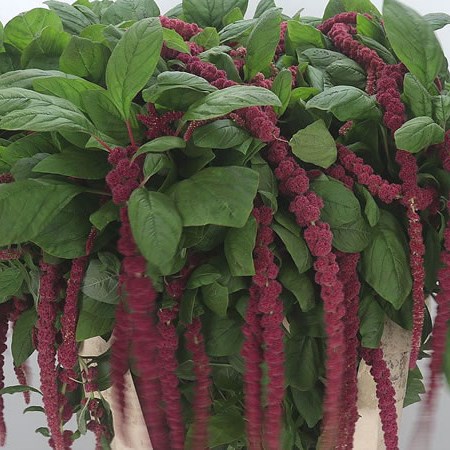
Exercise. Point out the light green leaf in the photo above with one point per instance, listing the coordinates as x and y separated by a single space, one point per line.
315 144
132 62
437 20
282 87
339 6
418 134
73 19
301 36
417 96
210 14
124 10
174 41
220 134
208 38
25 78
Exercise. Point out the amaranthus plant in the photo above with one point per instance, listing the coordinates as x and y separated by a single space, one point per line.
235 205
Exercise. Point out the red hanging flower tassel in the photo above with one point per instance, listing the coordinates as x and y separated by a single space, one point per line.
4 325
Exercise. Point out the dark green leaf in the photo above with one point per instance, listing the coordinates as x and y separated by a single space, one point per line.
346 73
339 6
124 10
25 78
97 308
413 40
372 319
282 87
210 14
346 103
44 431
238 247
73 19
437 20
22 342
160 145
224 337
19 388
85 58
28 206
371 209
21 30
315 144
418 134
262 43
34 409
187 305
133 61
90 325
222 102
301 36
220 134
203 275
321 58
417 96
384 263
309 404
431 258
11 279
414 387
156 226
215 297
225 428
83 164
217 195
108 213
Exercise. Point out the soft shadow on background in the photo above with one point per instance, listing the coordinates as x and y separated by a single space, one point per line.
21 435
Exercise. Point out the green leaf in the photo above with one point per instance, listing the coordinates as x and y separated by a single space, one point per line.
309 405
262 43
346 103
417 96
203 275
11 279
154 163
348 73
43 431
384 263
342 211
437 20
108 213
124 10
339 6
83 164
223 336
69 89
220 134
321 58
19 388
315 144
371 209
414 387
85 58
263 6
282 87
208 38
226 427
160 145
295 245
25 78
91 325
413 40
34 409
217 195
441 109
215 297
26 27
236 30
418 134
372 318
233 16
174 41
73 19
21 109
22 342
432 258
222 102
210 14
101 281
188 305
28 206
301 36
156 226
238 247
299 284
133 62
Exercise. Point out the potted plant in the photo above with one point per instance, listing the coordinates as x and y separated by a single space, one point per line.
234 205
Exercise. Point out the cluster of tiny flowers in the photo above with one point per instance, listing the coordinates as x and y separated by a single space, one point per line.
184 29
385 393
281 47
47 310
338 172
238 55
306 207
259 123
4 325
6 178
159 125
95 425
260 80
344 130
195 344
348 275
10 254
364 174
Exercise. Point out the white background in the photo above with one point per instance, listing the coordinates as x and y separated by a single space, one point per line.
21 434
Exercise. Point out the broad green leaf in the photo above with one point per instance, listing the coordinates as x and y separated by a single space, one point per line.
262 43
437 20
154 163
299 284
414 387
441 109
263 6
174 41
384 263
25 78
94 33
236 30
18 388
210 14
203 275
368 27
132 62
226 427
347 73
238 247
11 279
69 89
223 336
346 103
83 164
73 19
45 50
339 6
371 209
28 206
91 325
187 307
225 62
2 48
315 144
222 102
101 280
25 27
382 51
85 58
282 87
208 38
108 213
417 96
301 36
418 134
124 10
413 40
372 318
233 16
22 109
322 58
27 146
220 134
161 145
215 297
351 233
156 226
309 404
217 195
